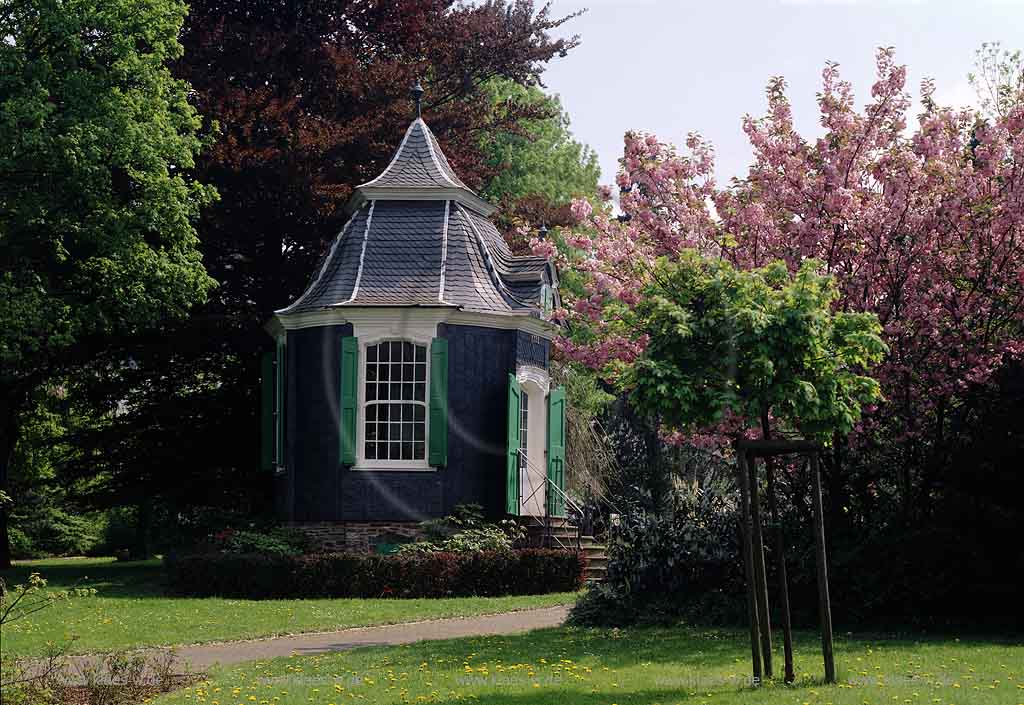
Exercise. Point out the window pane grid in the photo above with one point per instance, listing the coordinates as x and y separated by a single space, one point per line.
395 395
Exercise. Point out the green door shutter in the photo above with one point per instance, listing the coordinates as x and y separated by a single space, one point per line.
267 382
438 449
279 405
512 448
556 450
349 398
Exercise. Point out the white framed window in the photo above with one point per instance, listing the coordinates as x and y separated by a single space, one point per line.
393 399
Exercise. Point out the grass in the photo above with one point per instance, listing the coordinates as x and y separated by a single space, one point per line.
132 610
625 667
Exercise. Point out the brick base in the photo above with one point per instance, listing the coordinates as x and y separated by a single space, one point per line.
358 536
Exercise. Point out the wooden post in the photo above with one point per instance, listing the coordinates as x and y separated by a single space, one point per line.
748 565
780 569
824 606
760 571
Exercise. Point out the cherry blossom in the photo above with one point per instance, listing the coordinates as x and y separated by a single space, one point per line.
919 218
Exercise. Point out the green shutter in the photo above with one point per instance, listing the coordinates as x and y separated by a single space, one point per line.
556 450
512 448
438 449
279 403
267 381
349 398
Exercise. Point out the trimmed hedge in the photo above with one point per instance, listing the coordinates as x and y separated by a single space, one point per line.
483 573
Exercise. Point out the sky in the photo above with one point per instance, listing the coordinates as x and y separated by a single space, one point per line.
675 66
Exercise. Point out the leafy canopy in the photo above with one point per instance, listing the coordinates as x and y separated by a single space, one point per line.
96 204
725 346
536 156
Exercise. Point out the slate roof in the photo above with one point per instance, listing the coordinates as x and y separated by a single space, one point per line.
420 237
418 163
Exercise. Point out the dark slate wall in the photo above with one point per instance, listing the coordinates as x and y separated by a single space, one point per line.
479 362
532 349
312 438
317 488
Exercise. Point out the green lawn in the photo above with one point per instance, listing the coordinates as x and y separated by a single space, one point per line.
642 666
131 610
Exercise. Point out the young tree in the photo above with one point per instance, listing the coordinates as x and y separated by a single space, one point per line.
725 347
97 143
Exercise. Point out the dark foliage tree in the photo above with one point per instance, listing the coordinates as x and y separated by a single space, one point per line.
307 100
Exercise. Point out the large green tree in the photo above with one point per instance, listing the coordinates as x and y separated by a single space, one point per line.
535 164
539 156
97 142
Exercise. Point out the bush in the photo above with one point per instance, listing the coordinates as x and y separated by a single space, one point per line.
280 541
491 537
22 547
481 573
51 531
119 533
682 563
465 530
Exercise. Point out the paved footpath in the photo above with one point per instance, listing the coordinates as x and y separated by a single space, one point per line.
202 656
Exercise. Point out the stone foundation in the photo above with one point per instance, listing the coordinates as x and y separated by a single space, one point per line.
358 536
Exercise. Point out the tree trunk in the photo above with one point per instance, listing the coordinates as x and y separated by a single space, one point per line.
9 408
835 483
780 555
760 570
143 520
746 541
821 561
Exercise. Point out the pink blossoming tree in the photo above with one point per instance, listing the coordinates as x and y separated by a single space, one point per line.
919 219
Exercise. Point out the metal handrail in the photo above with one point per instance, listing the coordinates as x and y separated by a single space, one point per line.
572 506
543 475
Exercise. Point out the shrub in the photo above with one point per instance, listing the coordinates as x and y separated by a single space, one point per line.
480 573
280 541
681 563
465 530
22 547
119 532
463 517
51 531
490 537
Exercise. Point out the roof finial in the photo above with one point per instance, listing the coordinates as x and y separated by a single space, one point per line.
417 95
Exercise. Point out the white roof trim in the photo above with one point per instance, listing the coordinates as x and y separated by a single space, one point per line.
362 254
493 270
460 195
428 135
439 314
444 251
394 159
323 268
